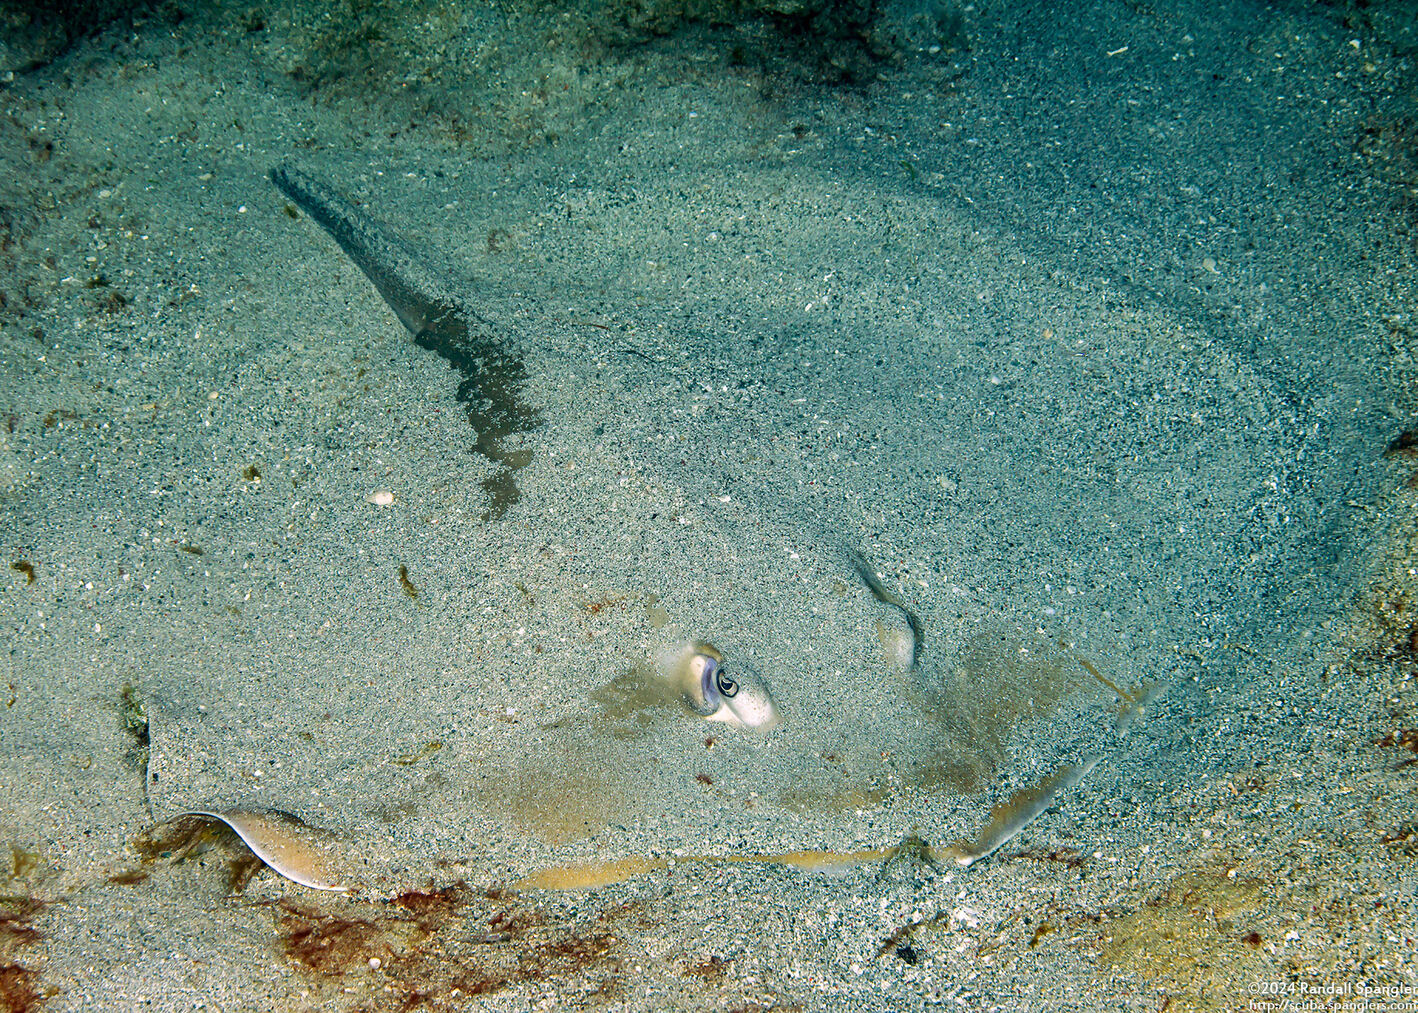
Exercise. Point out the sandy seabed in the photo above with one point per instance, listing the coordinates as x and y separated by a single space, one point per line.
1089 332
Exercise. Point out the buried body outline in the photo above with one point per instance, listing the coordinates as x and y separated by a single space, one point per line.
492 393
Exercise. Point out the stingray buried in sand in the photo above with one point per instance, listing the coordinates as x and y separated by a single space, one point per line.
577 714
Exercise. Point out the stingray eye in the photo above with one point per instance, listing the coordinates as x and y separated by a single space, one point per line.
725 683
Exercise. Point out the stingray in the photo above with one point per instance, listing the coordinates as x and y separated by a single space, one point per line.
512 706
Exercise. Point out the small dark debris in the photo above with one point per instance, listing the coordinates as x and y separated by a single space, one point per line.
26 567
902 937
1405 838
597 607
193 550
1404 738
1254 940
1405 444
908 953
712 969
1070 858
703 778
290 211
407 584
511 923
251 473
